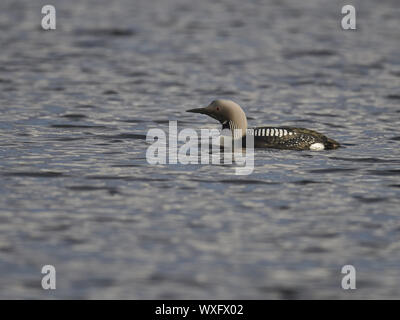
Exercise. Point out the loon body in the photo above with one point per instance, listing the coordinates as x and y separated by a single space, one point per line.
232 117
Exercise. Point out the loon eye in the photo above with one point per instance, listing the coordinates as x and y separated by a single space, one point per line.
217 108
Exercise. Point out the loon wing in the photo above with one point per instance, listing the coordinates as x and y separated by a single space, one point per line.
290 138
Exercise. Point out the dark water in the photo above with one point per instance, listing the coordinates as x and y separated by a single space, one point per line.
77 193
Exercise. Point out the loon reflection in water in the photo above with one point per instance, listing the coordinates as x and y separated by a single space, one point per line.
232 117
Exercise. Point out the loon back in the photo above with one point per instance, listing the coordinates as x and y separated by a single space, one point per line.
290 138
232 117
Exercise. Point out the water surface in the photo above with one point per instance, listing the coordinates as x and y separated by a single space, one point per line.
77 192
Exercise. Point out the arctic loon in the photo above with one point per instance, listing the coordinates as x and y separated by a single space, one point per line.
232 117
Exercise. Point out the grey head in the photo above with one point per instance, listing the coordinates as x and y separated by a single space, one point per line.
227 112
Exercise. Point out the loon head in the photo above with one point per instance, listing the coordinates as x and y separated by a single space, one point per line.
228 113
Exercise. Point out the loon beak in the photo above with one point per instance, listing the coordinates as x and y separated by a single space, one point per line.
207 111
199 110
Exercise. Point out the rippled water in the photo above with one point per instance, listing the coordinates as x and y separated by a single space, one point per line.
76 191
